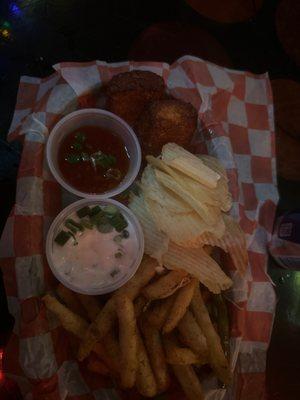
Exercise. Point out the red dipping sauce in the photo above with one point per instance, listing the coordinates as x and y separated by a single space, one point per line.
93 159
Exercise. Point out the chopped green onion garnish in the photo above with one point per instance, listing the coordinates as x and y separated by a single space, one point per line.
83 212
95 210
104 228
118 254
74 223
80 137
72 228
110 210
118 222
62 237
99 218
125 234
75 243
118 239
104 160
85 157
113 173
73 158
76 146
87 224
114 272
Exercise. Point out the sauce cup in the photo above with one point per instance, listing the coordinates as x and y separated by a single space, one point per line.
55 253
103 119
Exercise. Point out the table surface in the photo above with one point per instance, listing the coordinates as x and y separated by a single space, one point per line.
86 30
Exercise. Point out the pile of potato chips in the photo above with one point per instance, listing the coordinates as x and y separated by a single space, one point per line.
182 208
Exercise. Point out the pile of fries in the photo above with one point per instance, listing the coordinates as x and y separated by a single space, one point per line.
153 326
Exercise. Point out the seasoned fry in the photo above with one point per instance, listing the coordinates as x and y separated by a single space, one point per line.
98 367
97 329
145 381
112 348
70 300
176 354
140 305
156 355
222 322
156 316
189 381
70 321
144 274
217 357
166 285
128 340
192 336
105 319
90 304
182 301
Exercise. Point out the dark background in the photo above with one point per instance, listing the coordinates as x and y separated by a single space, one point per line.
40 33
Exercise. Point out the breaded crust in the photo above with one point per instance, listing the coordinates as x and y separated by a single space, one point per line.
129 92
167 120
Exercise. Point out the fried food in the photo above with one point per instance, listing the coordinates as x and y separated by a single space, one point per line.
97 366
163 121
192 336
177 354
90 304
145 380
128 341
105 319
179 307
129 92
217 357
153 343
157 314
166 285
189 381
70 300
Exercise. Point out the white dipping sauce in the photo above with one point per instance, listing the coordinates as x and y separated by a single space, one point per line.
93 262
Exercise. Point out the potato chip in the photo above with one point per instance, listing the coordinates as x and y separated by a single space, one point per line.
153 190
222 190
156 242
233 242
199 264
183 229
186 162
207 213
199 191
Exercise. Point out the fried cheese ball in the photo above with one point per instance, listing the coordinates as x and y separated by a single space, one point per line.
164 121
129 92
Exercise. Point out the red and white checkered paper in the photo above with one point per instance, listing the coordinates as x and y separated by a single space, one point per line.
236 125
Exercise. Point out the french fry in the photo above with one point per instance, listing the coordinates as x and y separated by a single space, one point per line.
70 321
217 357
76 325
189 381
140 305
112 348
90 304
105 319
166 285
176 354
182 301
145 273
128 340
98 329
97 366
192 336
156 355
145 380
156 315
70 300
